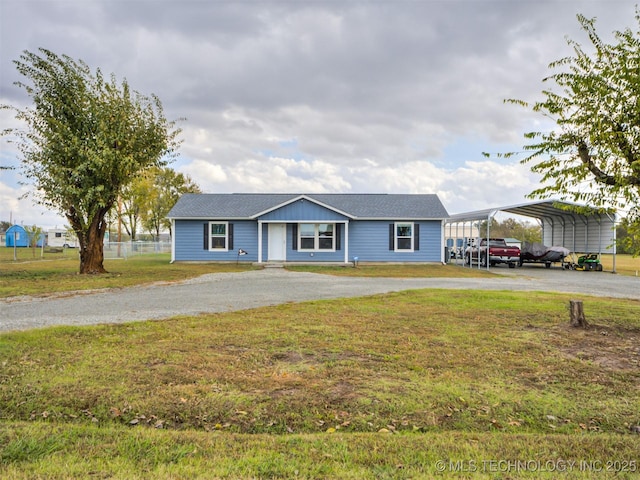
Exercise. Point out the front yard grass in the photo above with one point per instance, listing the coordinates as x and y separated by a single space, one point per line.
404 385
432 270
58 272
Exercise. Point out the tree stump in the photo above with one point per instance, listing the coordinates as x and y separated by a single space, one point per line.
576 312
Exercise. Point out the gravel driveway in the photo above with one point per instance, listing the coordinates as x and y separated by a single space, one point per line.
271 286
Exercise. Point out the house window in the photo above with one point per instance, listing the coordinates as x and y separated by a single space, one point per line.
404 237
316 236
218 236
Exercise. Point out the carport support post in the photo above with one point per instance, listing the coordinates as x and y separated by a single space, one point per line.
487 257
576 313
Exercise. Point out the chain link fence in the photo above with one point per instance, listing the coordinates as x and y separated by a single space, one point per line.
130 249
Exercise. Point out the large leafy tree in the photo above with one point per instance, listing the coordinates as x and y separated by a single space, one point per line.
593 154
87 137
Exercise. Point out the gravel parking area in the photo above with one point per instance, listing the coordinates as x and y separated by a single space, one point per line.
271 286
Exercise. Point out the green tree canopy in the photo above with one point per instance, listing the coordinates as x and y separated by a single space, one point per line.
148 199
169 186
593 154
511 228
87 137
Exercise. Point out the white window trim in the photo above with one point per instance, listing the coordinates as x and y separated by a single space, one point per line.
395 237
226 237
316 237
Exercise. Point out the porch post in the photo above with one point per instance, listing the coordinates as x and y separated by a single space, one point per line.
259 241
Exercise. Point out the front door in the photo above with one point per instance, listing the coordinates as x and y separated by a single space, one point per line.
277 242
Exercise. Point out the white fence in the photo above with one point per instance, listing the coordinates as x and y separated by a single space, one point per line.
130 249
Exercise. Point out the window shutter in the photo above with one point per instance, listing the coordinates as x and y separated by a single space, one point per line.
206 236
416 236
391 242
294 236
230 247
338 240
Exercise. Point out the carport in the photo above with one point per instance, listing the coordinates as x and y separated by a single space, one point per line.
579 228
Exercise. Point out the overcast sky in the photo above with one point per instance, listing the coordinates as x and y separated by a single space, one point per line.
334 96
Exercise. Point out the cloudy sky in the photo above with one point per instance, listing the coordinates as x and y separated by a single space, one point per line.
325 96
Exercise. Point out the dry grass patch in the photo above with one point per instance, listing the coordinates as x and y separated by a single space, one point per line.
625 264
613 348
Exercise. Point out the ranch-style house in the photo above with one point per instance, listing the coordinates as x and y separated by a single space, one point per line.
306 228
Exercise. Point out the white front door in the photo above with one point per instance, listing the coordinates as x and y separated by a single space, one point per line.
277 242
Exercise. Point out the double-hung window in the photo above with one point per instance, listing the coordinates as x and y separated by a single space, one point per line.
316 236
404 237
219 236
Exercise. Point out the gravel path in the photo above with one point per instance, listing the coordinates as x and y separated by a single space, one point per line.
271 286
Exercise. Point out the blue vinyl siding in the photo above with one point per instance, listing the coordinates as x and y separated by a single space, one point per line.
189 242
303 210
369 241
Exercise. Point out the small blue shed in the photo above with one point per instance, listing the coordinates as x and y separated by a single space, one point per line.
17 236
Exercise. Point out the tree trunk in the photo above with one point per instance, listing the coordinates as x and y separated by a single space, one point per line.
91 242
92 258
577 314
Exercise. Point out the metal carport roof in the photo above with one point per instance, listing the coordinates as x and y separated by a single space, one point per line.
579 228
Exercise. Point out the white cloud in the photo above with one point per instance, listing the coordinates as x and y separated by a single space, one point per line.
323 96
17 209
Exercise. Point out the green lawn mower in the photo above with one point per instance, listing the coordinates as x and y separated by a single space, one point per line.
587 263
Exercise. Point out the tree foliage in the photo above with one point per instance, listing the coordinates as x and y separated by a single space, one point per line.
593 154
148 199
132 202
87 137
169 186
628 237
512 228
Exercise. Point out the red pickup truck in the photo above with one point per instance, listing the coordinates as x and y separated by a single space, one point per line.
499 252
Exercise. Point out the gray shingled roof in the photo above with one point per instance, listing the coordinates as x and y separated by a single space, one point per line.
358 206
